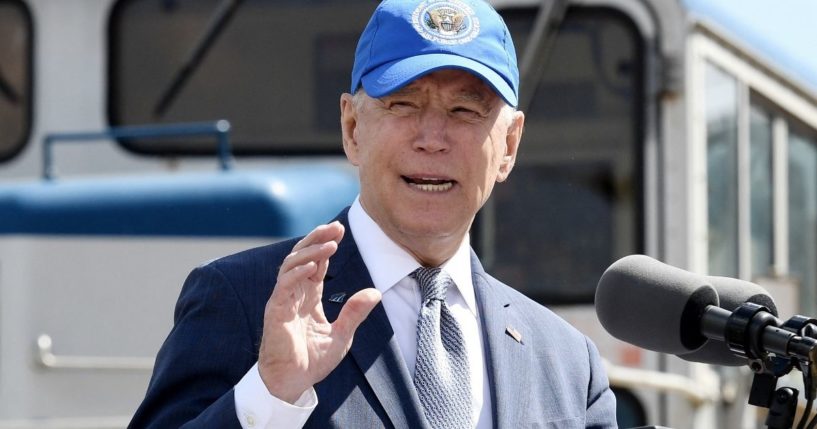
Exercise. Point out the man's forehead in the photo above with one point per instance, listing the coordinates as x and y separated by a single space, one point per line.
461 83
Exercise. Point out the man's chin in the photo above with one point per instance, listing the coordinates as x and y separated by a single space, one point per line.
431 230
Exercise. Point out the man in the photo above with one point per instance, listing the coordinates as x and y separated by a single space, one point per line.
295 334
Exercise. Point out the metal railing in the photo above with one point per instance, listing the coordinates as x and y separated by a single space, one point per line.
220 129
46 358
115 422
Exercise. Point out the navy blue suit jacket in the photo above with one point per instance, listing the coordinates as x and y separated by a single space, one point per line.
553 378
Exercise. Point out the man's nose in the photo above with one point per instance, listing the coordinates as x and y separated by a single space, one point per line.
433 132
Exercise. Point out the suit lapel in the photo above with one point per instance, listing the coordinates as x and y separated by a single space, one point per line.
505 350
374 348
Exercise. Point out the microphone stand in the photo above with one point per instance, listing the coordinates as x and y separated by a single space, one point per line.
774 349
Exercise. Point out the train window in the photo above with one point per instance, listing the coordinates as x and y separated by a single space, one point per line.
760 186
743 129
275 69
722 170
573 204
803 215
15 77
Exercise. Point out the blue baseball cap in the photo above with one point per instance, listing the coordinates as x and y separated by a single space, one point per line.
407 39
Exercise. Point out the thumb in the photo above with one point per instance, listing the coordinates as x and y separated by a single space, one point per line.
355 311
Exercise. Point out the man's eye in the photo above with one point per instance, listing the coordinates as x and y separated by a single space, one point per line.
465 111
402 105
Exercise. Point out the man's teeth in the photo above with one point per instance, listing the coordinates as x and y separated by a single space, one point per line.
429 184
433 188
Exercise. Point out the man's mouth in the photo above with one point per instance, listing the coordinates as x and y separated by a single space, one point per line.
428 184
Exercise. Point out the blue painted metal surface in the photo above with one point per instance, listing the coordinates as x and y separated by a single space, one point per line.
287 201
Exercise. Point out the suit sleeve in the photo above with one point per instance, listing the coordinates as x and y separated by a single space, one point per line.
601 403
207 352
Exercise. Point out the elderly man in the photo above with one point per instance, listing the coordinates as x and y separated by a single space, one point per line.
264 338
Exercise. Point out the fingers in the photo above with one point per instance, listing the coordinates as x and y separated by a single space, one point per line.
354 312
321 234
318 253
334 231
317 246
295 276
300 277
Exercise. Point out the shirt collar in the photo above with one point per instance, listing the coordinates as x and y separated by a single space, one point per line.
388 263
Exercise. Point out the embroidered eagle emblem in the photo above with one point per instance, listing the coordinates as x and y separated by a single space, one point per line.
448 21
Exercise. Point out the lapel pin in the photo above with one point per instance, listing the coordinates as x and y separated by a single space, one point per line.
514 334
338 297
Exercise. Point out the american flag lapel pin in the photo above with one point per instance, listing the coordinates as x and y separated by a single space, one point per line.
516 335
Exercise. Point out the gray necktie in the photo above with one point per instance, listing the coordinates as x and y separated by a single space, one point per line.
441 373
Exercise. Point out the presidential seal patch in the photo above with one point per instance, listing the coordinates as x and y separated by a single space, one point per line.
448 22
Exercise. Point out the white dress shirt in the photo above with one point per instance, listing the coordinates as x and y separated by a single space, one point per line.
389 266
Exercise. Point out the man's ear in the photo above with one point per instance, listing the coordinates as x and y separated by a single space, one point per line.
512 140
348 125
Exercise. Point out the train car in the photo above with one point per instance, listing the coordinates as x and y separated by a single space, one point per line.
140 138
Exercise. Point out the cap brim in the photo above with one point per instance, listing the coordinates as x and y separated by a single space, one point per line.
389 77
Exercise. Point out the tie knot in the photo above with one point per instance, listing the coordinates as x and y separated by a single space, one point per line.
433 282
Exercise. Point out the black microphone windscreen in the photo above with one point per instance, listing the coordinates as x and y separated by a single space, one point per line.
731 294
653 305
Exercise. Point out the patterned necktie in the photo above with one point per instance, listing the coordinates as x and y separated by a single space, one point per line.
441 373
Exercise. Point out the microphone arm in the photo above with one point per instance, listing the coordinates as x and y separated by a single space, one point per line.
751 331
773 349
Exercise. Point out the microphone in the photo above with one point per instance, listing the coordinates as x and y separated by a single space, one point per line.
731 294
654 305
666 309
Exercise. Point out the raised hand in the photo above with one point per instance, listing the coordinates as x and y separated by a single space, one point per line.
299 347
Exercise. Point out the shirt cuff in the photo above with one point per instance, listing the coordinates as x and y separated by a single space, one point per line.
256 408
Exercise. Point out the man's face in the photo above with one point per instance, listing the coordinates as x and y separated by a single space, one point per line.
430 154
